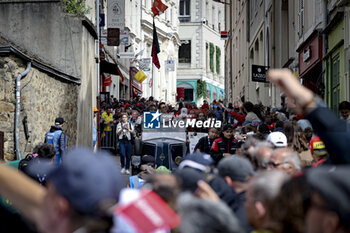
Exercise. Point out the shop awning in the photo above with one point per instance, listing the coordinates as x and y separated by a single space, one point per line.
110 68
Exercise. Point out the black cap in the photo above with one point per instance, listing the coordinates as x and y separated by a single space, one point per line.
333 185
189 178
59 121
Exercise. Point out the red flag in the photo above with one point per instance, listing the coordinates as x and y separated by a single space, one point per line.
158 7
108 81
155 47
148 213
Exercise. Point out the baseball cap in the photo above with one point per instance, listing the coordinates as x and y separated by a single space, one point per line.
95 109
317 146
303 123
278 139
59 121
331 184
236 167
85 179
199 161
189 178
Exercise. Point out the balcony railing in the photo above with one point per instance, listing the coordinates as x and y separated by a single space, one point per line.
184 60
184 18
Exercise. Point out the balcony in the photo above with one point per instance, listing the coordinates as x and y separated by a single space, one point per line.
184 18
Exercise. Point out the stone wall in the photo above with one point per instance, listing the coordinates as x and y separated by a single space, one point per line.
43 99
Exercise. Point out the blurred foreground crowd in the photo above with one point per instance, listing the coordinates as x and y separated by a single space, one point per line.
263 171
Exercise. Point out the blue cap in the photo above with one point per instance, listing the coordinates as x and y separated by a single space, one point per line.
199 161
87 180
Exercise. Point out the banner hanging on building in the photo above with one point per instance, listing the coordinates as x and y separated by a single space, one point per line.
116 14
145 64
124 37
170 65
259 73
140 76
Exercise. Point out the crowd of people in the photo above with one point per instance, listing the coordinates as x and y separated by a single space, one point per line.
265 170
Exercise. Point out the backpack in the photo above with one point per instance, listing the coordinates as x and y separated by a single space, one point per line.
25 163
22 166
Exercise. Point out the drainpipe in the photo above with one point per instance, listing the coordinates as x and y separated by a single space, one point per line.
18 108
324 46
97 2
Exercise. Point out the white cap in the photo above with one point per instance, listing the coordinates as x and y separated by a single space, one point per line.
278 139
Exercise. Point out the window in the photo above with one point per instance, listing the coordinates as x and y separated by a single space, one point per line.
148 49
184 14
207 12
219 19
172 16
251 6
207 55
148 149
185 52
188 95
186 91
335 83
208 91
213 18
218 59
211 56
176 153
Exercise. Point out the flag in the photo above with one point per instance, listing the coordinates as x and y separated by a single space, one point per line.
108 81
158 7
140 76
155 47
148 213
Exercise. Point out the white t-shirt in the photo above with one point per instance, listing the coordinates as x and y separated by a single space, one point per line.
125 132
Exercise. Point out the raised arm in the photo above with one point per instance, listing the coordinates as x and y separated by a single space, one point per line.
25 194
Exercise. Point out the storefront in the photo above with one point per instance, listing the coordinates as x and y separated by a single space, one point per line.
336 83
187 90
310 63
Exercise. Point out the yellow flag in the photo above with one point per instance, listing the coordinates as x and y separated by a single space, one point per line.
140 76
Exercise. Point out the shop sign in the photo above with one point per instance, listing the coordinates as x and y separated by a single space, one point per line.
259 73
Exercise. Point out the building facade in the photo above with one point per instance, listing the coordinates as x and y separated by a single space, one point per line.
201 68
251 42
336 58
346 5
236 50
160 83
62 81
309 37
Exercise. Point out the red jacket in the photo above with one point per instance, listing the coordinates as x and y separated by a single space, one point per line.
240 118
205 106
223 145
